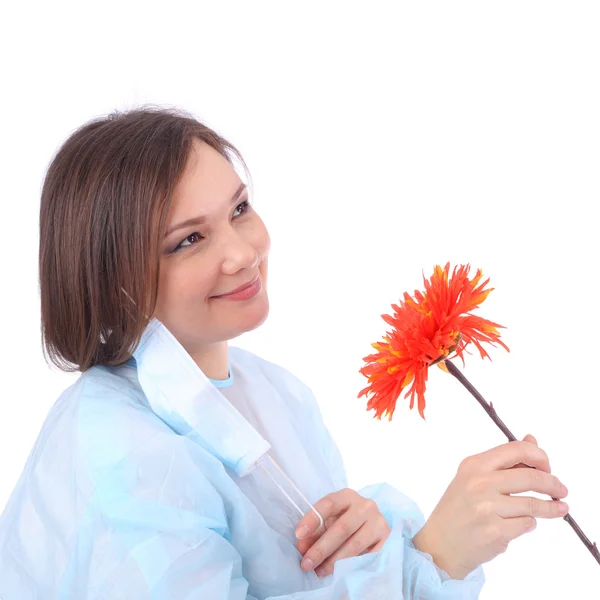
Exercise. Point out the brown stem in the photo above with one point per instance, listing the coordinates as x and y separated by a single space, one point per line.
489 409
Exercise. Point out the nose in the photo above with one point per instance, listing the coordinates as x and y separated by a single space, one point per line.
238 253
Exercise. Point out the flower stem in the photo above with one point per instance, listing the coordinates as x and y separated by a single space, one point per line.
453 370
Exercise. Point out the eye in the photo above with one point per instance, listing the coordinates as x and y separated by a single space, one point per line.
242 208
183 243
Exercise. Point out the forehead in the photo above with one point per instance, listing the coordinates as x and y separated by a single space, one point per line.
207 184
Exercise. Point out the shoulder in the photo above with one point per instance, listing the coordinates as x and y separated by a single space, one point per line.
92 406
127 449
114 420
101 435
114 393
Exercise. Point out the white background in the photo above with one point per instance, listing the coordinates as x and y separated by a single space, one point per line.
382 138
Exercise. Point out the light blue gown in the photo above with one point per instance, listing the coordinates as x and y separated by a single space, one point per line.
146 482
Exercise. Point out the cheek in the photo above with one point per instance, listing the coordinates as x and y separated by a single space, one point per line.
167 293
183 283
264 257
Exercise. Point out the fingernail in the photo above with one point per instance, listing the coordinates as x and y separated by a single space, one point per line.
320 571
563 508
307 564
302 532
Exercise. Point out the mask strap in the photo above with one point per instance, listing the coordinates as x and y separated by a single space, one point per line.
300 511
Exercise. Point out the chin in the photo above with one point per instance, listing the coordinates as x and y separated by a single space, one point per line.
253 319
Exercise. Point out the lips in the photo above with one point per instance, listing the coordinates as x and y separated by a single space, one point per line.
240 288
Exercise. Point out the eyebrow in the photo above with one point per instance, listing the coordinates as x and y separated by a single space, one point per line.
202 219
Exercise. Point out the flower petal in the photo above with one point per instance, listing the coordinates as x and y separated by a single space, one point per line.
425 328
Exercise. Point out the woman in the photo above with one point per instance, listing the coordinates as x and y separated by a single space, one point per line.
179 467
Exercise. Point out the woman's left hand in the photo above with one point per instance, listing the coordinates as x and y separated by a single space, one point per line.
353 525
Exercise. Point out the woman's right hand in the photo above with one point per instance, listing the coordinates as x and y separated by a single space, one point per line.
477 517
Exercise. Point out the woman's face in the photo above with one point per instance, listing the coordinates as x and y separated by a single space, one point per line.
204 261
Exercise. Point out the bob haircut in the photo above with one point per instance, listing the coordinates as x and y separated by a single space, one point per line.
104 205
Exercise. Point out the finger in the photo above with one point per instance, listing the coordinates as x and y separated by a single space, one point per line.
304 544
344 528
377 547
520 466
514 528
529 438
364 538
516 481
528 506
353 546
511 454
381 543
329 506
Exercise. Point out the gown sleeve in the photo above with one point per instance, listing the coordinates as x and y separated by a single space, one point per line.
158 528
420 577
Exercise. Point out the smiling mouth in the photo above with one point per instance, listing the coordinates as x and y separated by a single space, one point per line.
241 288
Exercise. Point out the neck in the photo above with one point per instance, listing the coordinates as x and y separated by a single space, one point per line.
213 360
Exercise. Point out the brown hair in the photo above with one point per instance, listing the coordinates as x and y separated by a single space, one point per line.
104 206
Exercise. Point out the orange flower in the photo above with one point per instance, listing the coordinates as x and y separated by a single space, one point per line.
426 329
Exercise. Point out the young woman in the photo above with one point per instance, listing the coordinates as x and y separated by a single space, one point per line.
178 467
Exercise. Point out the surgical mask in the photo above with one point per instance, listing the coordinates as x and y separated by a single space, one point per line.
184 398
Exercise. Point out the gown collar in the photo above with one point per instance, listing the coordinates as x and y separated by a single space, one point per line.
186 400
